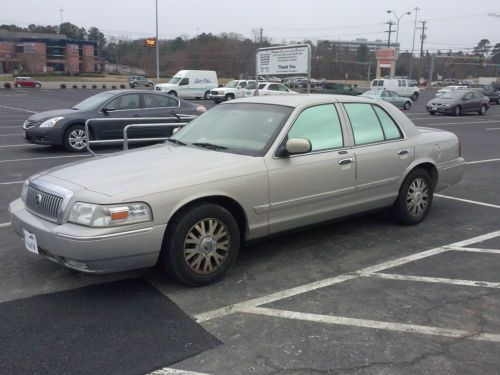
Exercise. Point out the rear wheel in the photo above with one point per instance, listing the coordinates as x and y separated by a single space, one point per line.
201 245
172 92
38 85
457 111
74 138
415 198
407 105
482 110
206 96
414 97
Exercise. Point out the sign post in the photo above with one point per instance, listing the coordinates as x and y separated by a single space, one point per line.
294 59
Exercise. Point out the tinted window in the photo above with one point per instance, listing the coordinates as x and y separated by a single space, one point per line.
319 124
385 94
282 88
242 85
375 82
273 87
468 96
125 102
381 82
156 101
399 83
403 82
261 86
391 130
477 95
365 124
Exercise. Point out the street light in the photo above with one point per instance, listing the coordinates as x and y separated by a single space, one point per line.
399 19
416 9
157 48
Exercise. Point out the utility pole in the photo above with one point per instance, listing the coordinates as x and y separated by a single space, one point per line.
261 35
157 48
390 31
422 37
413 43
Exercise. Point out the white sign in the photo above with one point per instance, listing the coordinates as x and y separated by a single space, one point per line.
283 60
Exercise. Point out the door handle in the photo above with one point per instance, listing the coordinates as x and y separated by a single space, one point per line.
346 161
403 152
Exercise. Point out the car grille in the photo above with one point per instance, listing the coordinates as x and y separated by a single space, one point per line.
214 92
43 204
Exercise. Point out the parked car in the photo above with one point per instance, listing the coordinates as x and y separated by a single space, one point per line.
389 96
26 82
136 81
446 89
65 127
490 91
246 169
194 84
270 88
402 86
233 90
458 102
336 88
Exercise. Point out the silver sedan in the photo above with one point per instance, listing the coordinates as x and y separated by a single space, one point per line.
245 169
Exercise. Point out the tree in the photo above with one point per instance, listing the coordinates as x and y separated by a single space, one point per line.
482 48
96 35
72 31
495 54
362 53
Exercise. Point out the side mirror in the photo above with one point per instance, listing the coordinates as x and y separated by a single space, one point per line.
295 146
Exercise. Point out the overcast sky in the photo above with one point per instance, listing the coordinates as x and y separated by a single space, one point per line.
451 24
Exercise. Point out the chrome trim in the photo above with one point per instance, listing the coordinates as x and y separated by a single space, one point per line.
346 161
55 190
103 236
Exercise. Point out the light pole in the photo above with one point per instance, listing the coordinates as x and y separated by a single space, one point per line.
157 48
416 9
399 19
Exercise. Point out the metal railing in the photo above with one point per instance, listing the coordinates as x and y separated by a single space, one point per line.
134 122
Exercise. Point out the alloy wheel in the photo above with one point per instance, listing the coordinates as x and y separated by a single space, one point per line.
417 197
77 139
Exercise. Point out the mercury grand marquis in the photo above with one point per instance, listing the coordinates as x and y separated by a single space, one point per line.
243 170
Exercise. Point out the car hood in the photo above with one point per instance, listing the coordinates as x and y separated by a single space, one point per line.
152 169
42 116
167 85
441 100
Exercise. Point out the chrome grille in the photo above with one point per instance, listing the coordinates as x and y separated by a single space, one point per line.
43 204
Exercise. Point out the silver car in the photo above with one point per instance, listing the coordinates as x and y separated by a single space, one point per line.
243 170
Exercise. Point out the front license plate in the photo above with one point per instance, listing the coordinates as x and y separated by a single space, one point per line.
30 242
434 107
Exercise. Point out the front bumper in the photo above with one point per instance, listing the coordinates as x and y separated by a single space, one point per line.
44 136
91 250
439 109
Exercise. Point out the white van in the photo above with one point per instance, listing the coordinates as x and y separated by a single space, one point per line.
195 84
402 86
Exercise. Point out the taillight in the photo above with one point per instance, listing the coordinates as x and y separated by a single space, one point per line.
201 108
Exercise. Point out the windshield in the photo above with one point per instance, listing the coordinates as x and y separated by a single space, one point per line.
232 84
452 94
94 102
243 128
174 79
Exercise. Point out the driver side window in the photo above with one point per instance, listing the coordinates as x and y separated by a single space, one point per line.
321 125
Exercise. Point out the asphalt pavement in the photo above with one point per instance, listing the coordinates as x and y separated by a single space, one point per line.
357 296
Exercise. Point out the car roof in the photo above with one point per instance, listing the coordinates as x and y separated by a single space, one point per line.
299 100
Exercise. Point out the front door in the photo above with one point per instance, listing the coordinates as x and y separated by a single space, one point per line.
315 186
126 106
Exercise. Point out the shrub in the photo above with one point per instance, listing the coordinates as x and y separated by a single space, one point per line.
75 87
7 85
103 86
122 86
113 87
94 86
63 85
84 86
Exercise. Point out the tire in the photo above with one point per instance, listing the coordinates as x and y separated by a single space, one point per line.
74 138
414 97
206 96
38 85
150 84
482 110
229 97
133 85
414 199
407 106
457 111
498 101
18 85
432 112
191 245
172 92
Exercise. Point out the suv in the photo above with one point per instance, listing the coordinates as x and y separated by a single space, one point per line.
233 90
402 86
135 81
26 82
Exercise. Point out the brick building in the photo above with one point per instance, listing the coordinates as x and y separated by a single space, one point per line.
32 53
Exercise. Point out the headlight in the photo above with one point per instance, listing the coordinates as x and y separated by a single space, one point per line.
93 215
51 122
24 191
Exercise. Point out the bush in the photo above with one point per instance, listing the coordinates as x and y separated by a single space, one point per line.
113 87
104 86
75 87
94 86
63 85
122 86
7 85
84 86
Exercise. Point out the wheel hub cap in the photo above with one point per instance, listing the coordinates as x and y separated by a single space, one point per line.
417 198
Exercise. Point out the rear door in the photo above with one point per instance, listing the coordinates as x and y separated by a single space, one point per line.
157 106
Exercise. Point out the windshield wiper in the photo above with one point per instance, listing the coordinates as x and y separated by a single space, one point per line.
176 141
210 146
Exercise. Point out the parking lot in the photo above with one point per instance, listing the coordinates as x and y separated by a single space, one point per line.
357 296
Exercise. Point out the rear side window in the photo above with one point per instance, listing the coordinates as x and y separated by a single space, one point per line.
321 125
157 101
371 124
381 82
375 82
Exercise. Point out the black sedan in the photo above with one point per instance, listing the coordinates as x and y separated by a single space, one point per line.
458 102
66 127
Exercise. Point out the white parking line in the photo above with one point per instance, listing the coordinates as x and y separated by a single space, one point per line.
436 280
467 201
492 128
20 145
482 161
45 158
17 109
462 123
474 250
10 126
173 371
365 323
11 183
10 135
4 225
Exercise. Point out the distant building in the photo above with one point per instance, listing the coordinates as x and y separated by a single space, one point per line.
22 53
352 46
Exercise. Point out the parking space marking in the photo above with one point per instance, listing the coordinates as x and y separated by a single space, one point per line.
45 158
4 225
461 123
10 126
474 250
467 201
11 183
173 371
482 161
436 280
492 128
20 145
17 109
375 324
10 135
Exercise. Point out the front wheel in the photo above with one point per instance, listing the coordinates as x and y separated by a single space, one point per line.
173 93
414 199
229 97
74 138
457 111
414 97
482 110
407 106
38 85
201 245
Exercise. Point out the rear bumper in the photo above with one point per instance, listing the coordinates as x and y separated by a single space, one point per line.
450 174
